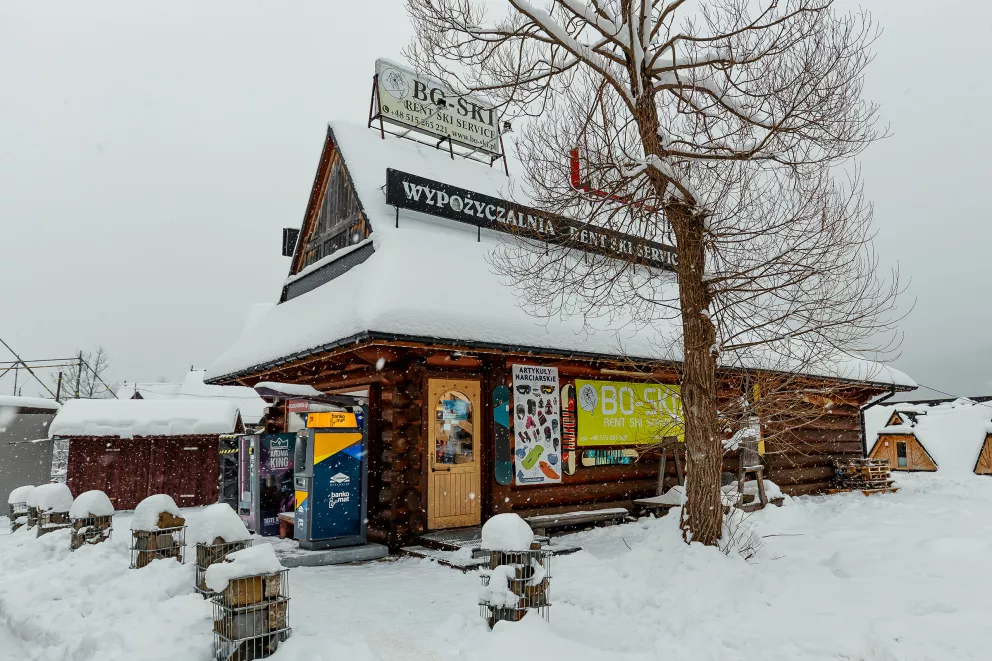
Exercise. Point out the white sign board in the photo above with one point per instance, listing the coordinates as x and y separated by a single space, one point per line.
429 106
536 425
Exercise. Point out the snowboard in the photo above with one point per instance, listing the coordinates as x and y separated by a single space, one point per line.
608 457
568 449
503 465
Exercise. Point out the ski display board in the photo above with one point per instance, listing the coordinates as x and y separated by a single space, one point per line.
568 458
537 424
503 466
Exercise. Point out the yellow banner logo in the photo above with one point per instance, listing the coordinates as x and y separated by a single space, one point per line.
619 413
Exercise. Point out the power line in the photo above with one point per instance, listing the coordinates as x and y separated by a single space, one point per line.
923 385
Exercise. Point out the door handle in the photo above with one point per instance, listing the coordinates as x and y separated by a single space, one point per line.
446 469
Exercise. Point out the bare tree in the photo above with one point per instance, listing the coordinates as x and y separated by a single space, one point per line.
83 378
717 125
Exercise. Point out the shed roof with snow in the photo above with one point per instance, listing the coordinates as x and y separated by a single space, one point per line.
417 277
128 418
192 387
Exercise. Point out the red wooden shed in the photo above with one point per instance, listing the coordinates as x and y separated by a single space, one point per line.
131 449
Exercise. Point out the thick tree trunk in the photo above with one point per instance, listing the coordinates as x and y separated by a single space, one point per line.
702 517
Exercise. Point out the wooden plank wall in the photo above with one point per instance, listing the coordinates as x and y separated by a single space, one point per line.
129 470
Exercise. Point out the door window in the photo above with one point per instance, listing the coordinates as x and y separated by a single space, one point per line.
901 455
454 429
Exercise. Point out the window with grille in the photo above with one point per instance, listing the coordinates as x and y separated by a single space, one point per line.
340 222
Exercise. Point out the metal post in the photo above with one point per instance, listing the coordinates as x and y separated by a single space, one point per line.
79 372
58 387
16 370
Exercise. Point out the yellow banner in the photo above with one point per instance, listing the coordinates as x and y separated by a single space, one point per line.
619 413
332 419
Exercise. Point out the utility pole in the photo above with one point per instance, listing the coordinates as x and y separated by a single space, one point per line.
58 388
79 372
15 379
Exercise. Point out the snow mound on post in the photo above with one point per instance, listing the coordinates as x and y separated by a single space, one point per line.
255 561
90 504
51 498
507 532
20 494
147 512
218 520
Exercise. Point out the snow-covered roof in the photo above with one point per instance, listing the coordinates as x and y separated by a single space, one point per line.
127 418
252 406
157 390
28 402
433 278
952 432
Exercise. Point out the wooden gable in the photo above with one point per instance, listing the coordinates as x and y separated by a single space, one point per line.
334 218
917 457
894 419
984 464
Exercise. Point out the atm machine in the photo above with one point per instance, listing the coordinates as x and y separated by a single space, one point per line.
331 475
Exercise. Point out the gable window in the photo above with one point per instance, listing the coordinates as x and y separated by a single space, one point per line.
340 222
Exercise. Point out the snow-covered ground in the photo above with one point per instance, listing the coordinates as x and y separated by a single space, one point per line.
900 576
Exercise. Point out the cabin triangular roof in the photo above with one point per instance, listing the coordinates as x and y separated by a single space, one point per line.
424 278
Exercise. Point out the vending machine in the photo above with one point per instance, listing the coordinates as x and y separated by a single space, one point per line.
331 470
267 486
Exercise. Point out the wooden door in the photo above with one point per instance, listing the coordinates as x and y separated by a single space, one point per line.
453 461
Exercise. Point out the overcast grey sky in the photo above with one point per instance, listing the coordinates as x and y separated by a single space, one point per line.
150 153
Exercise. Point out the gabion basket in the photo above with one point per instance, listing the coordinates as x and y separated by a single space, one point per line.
527 575
148 545
52 521
18 515
250 617
209 554
90 530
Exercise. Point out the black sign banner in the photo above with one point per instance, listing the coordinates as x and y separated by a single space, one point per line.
408 191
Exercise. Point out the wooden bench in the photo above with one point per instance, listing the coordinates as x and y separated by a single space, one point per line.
542 523
654 506
287 525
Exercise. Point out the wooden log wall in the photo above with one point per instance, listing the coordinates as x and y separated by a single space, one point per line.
799 459
396 489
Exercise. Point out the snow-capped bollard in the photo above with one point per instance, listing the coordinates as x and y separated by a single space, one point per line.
158 530
251 599
91 519
17 503
217 531
519 574
51 503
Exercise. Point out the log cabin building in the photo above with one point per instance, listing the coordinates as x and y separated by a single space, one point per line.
405 306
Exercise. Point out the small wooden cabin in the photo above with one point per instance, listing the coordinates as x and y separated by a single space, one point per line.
131 449
403 305
903 450
943 436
